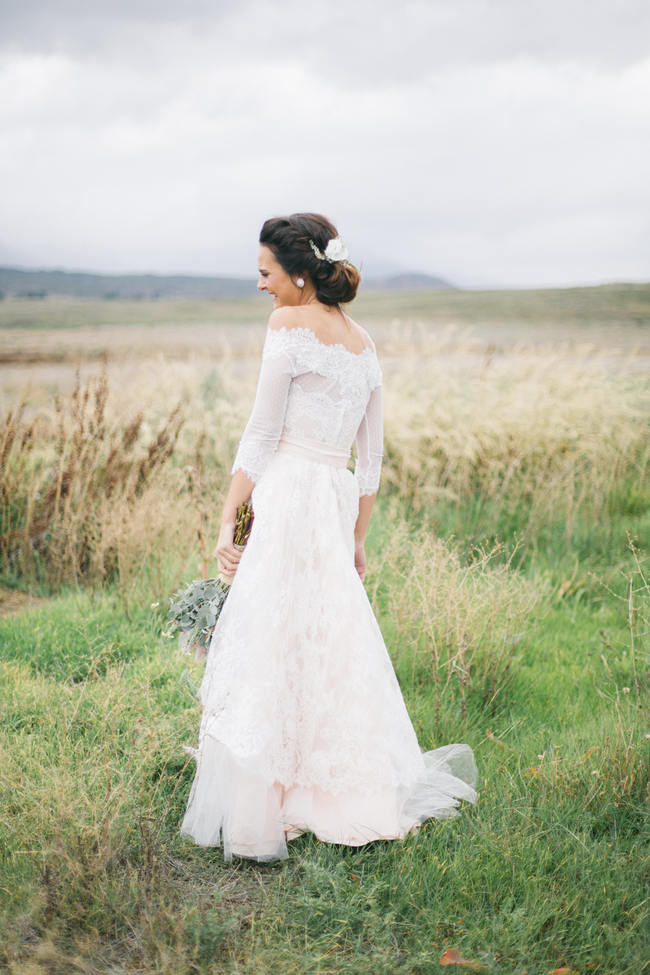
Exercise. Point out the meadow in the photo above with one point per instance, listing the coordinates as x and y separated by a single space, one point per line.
509 571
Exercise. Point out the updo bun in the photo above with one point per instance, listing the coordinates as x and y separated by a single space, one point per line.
289 240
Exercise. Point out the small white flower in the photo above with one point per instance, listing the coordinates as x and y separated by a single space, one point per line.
336 250
595 772
626 690
154 605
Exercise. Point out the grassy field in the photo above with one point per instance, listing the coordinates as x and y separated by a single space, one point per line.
57 329
509 572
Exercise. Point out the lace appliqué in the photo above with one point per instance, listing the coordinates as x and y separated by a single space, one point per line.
319 392
274 690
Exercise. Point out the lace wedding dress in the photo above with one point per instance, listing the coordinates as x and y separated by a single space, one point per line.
304 727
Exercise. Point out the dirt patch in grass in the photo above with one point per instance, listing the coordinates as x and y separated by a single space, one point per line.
14 601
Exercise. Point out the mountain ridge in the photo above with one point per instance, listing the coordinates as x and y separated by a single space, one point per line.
36 283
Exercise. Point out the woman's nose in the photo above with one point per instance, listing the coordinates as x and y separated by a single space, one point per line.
261 286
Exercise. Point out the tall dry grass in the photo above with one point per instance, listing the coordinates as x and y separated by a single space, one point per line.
539 435
78 479
113 483
453 624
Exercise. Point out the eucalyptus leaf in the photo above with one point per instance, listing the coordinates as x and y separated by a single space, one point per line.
195 609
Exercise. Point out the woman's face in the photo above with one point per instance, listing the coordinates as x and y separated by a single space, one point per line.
275 280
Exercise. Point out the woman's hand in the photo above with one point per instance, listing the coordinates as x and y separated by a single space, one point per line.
360 559
225 553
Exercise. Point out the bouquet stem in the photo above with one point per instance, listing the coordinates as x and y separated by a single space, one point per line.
227 579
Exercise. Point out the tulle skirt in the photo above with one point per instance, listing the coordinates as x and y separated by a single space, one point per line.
304 727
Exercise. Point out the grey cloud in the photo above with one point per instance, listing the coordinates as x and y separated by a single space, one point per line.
79 27
367 42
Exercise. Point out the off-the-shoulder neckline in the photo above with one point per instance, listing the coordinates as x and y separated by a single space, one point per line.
304 330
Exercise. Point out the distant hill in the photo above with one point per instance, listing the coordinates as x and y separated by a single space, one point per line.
26 283
21 282
406 282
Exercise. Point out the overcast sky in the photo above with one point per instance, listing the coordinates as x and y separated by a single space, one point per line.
493 142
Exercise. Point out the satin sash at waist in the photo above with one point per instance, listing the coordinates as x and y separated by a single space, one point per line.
324 453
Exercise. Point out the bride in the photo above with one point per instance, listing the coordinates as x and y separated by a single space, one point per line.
304 726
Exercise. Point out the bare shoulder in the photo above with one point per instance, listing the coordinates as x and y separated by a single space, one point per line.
365 335
284 317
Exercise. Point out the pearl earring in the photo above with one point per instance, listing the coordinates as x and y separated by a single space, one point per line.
300 282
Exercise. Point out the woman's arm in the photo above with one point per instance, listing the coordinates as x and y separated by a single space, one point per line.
366 502
256 447
226 554
370 447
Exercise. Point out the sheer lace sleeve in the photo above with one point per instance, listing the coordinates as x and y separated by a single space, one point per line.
370 445
264 427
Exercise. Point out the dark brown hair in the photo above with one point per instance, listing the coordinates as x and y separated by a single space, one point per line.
288 238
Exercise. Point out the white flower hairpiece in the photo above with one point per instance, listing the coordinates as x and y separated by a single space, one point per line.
335 250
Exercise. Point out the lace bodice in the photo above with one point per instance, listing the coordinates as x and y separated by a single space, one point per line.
317 392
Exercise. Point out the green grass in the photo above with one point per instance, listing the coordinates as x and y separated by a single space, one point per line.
627 304
89 634
611 303
548 869
57 313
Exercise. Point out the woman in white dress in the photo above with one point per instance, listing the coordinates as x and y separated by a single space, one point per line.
304 726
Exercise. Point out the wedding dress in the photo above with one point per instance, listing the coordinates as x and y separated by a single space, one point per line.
304 726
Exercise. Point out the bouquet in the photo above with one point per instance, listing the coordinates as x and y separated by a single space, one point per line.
194 611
